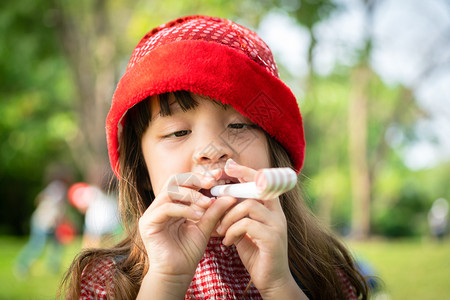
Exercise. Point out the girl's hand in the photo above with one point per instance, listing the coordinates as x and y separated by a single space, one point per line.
259 231
177 226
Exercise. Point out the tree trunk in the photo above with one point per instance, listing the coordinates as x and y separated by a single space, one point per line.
359 171
88 40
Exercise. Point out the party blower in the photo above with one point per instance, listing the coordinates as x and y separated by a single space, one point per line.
268 184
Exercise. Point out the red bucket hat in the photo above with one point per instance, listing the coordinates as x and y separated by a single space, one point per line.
211 57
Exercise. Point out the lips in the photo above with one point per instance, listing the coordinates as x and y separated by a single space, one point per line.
224 179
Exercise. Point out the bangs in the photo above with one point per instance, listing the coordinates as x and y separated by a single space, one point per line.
140 115
183 98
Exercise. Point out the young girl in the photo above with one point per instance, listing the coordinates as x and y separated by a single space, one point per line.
201 104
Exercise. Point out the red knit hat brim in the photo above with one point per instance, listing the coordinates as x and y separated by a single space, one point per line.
214 70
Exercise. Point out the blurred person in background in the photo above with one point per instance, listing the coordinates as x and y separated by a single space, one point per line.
438 218
49 215
100 208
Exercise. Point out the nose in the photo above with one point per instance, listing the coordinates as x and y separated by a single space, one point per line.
213 152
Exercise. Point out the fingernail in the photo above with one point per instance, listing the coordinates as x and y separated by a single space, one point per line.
219 229
198 213
230 164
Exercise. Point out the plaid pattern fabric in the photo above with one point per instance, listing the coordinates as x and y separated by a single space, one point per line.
96 280
347 288
219 275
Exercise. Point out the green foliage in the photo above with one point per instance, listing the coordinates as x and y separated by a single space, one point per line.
399 200
324 111
309 13
36 112
404 217
40 109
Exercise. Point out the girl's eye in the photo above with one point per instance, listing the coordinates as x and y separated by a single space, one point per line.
179 133
240 125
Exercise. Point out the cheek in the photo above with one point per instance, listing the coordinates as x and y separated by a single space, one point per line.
152 162
153 168
257 153
157 170
162 164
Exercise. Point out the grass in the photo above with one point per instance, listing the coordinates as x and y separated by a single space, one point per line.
40 283
410 269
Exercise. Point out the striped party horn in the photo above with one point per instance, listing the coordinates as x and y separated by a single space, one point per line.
268 184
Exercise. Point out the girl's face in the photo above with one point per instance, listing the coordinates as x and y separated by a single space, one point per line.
199 140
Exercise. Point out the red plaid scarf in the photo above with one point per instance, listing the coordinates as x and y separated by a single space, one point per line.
219 275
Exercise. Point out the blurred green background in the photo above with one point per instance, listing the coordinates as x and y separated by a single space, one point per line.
373 83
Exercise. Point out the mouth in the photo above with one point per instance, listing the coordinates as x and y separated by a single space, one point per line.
206 192
224 179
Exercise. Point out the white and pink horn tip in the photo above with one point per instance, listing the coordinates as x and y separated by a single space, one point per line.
268 184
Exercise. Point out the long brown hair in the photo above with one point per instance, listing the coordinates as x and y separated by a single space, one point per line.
315 255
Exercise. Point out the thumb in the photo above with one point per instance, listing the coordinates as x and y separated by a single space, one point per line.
214 213
243 173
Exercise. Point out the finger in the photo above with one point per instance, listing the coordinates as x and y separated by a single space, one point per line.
175 184
214 213
186 180
248 208
188 196
255 229
163 213
196 179
172 189
273 204
243 173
